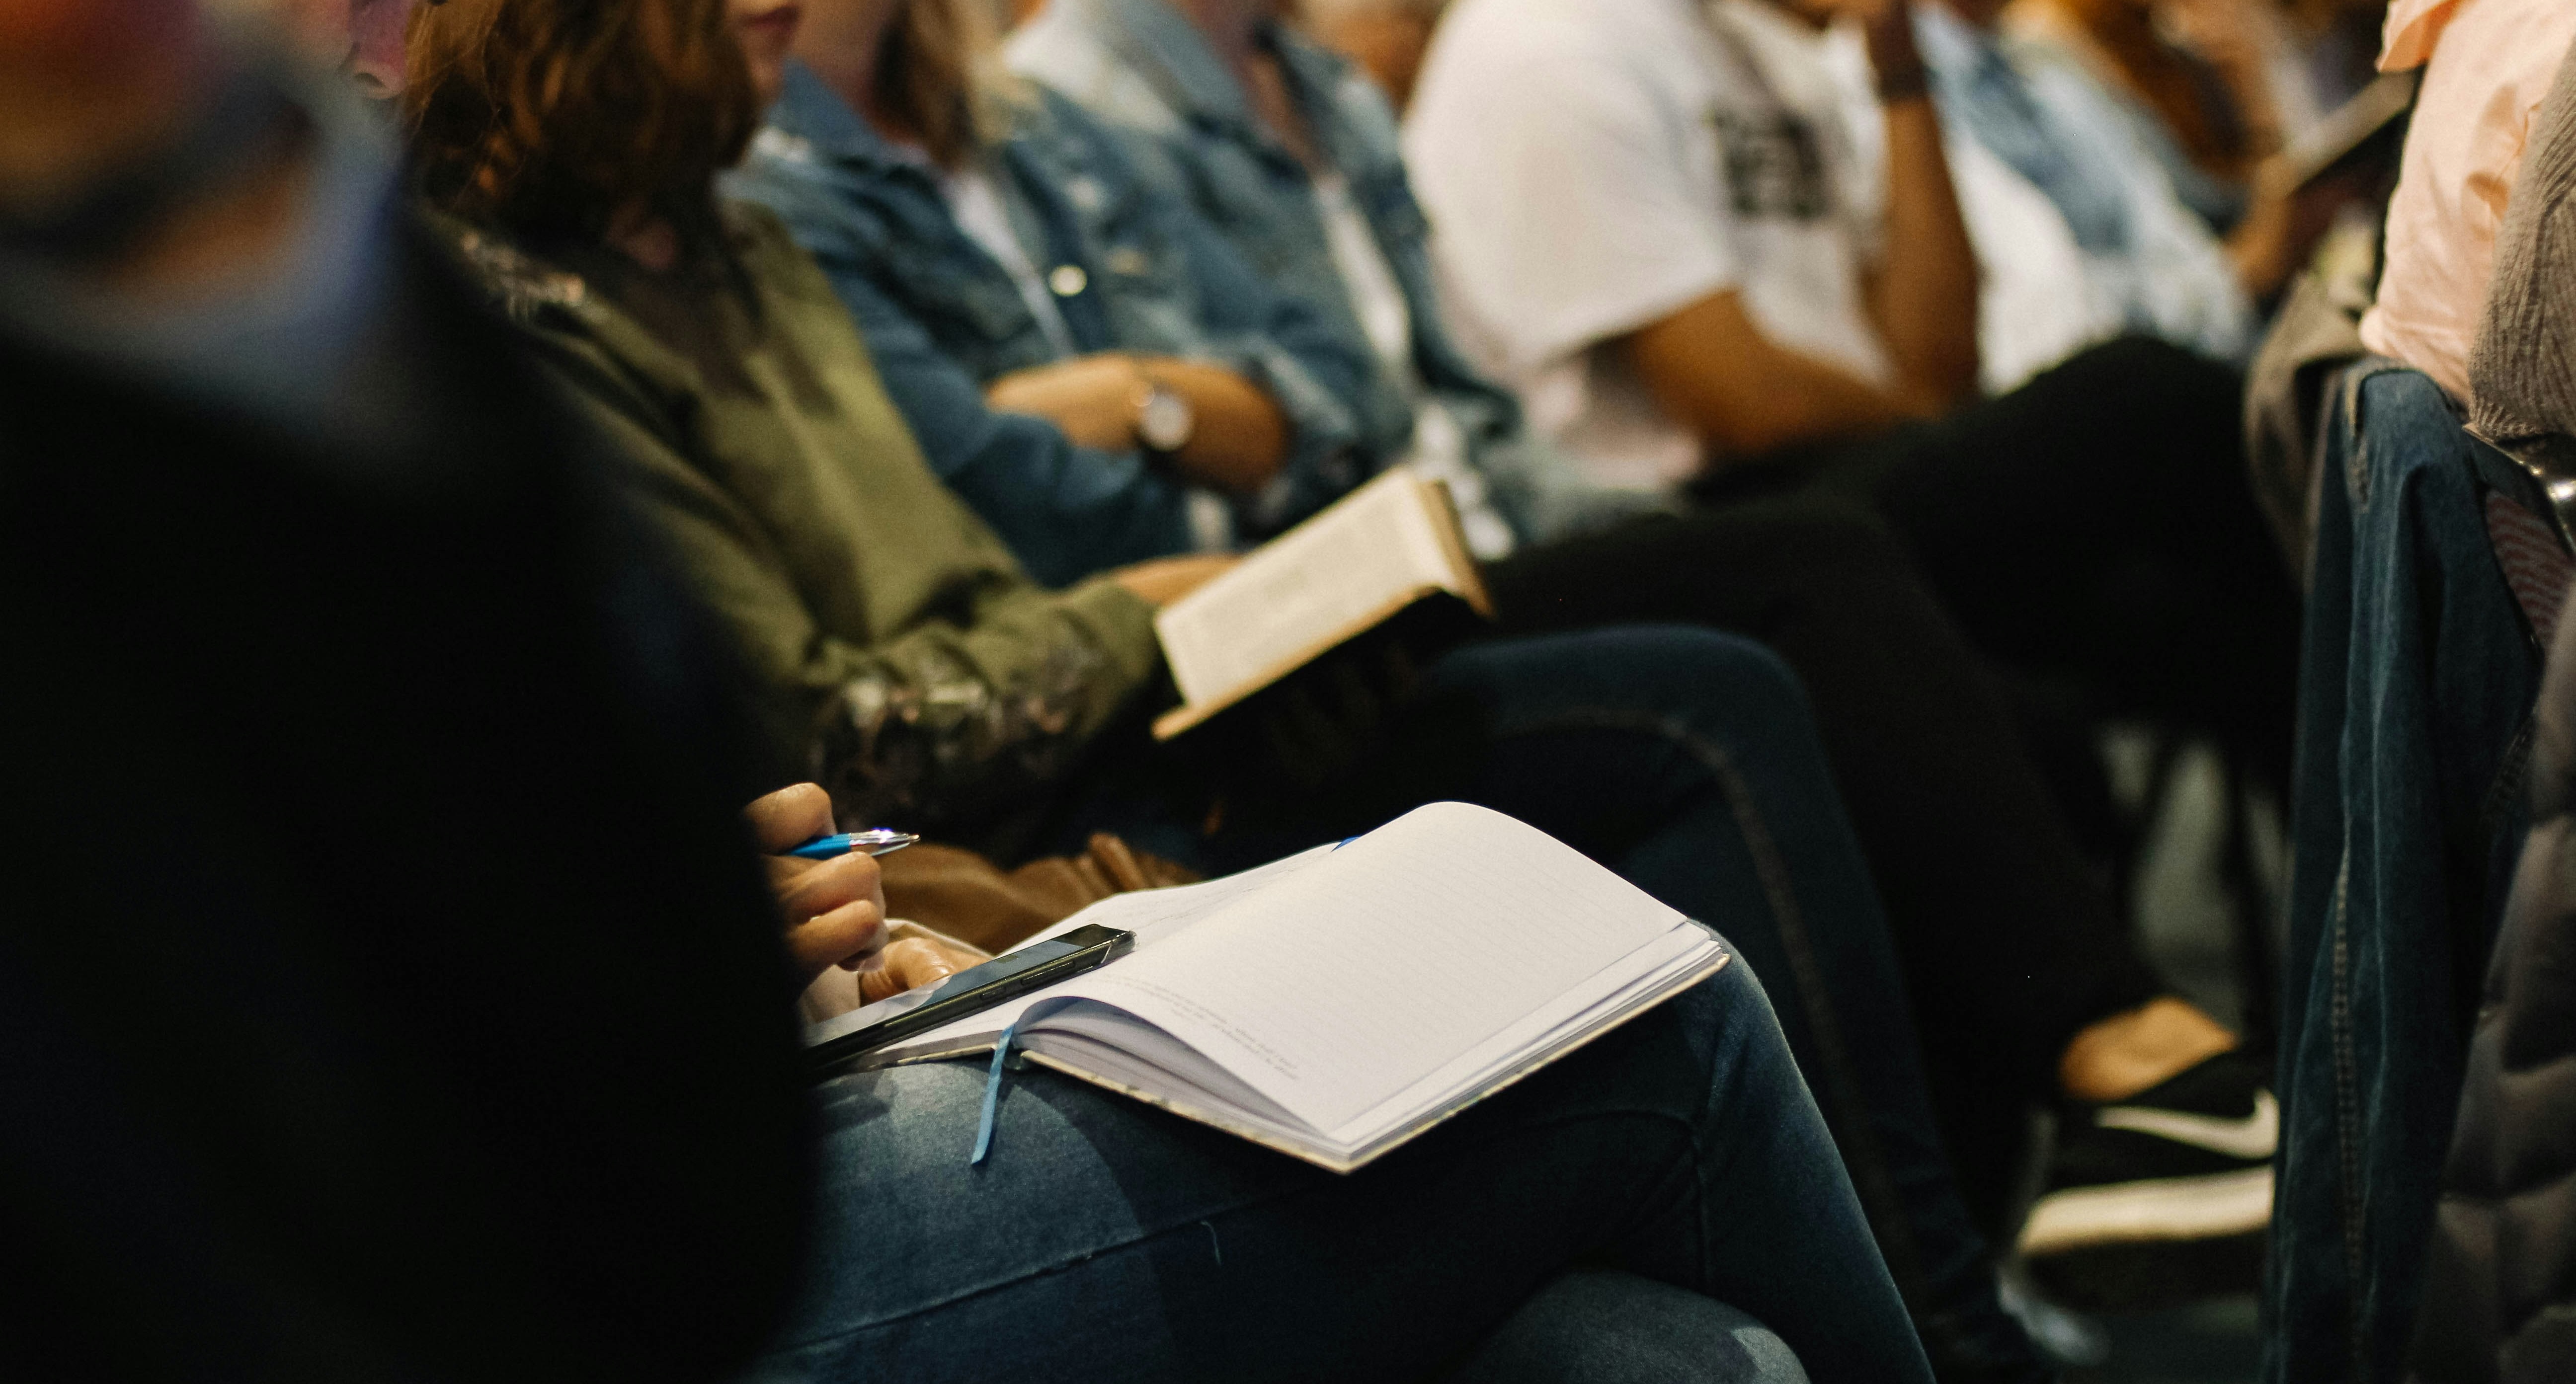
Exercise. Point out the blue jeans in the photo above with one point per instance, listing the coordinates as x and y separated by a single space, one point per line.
1107 1241
2417 682
1686 761
1600 1326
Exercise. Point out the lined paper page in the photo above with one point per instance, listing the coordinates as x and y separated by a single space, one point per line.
1154 915
1406 952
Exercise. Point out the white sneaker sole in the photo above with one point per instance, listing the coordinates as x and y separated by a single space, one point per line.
2178 1208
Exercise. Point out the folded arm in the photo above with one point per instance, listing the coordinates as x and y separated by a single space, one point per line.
1712 370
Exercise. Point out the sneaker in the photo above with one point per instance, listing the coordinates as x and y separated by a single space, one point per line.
2162 1198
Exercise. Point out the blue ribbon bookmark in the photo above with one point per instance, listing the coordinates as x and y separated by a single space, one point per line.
993 1094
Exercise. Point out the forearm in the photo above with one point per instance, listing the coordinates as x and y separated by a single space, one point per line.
1925 297
1810 401
1710 368
1240 437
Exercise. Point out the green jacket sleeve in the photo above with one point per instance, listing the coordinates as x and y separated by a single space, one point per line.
944 721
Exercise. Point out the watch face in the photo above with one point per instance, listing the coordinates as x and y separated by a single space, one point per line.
1166 421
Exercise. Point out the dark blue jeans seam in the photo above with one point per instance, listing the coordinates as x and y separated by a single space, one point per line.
1847 1113
2347 1095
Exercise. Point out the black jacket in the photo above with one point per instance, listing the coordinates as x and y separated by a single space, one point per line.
2500 1291
386 989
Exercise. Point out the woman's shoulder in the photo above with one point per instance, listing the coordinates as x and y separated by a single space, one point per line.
521 284
842 206
574 326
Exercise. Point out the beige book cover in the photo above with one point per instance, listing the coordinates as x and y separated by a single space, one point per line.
1380 549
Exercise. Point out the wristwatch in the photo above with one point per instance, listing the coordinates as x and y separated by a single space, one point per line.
1165 420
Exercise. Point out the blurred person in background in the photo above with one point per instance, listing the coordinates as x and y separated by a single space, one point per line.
2215 89
1650 213
1081 360
2144 260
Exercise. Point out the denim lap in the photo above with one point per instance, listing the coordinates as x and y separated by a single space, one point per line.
1105 1240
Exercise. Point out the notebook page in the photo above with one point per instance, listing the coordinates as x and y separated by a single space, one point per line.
1304 591
1336 988
1570 1012
1151 914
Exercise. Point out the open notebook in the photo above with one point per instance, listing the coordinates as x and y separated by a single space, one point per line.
1338 1003
1382 548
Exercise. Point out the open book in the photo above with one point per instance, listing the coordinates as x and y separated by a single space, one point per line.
1380 549
1335 1004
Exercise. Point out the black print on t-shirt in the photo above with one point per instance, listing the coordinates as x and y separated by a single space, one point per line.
1775 165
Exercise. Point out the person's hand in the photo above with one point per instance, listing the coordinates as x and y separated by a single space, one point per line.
1095 400
1165 580
834 909
907 965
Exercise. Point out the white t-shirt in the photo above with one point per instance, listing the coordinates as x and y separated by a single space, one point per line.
1592 166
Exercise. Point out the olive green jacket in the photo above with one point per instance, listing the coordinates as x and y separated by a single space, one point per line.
938 680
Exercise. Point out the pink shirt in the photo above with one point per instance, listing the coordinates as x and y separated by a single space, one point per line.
2487 66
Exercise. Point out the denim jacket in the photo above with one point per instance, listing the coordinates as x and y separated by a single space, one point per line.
942 320
2415 697
1144 68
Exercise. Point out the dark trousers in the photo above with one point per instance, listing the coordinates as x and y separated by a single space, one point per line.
2093 529
2094 525
2008 938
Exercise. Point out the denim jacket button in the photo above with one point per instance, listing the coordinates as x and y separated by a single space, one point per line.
1068 281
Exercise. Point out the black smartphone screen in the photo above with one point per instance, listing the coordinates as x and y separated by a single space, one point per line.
972 991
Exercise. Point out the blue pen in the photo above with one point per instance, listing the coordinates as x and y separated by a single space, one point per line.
877 842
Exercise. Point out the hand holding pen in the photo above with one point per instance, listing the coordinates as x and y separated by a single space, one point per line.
828 887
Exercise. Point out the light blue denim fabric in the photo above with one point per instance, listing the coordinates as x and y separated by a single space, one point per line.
1144 68
1107 1242
2219 204
2416 690
942 319
2145 249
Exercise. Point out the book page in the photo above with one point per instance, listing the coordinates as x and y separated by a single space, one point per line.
1321 582
1412 951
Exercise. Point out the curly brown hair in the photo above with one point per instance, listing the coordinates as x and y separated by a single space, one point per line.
550 117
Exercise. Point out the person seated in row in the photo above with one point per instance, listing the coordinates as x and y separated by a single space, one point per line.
2439 567
1710 303
443 1095
2199 81
2124 252
1992 902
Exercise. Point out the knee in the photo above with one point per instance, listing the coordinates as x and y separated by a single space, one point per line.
1605 1325
1845 554
1729 1026
1705 675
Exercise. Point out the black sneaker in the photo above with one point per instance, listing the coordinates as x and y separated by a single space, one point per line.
2162 1198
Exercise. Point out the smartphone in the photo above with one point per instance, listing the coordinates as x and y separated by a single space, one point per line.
969 992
